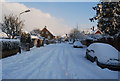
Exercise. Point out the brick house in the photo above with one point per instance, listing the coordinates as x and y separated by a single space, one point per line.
46 33
98 32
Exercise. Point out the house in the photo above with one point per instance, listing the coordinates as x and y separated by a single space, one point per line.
65 37
47 34
34 39
98 32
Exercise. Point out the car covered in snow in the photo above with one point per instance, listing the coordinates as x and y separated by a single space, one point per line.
105 55
78 44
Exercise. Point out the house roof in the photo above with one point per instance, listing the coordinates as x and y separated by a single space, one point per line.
45 28
34 37
97 31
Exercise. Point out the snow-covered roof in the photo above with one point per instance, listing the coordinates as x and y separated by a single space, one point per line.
3 35
92 32
37 37
17 40
34 37
97 31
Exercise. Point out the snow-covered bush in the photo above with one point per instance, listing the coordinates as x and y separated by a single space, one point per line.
10 44
75 34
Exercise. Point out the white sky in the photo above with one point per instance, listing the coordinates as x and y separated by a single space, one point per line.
36 18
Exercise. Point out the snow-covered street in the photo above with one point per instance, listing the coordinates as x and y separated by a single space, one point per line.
55 61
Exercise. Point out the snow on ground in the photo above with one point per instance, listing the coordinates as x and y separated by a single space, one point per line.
55 61
4 40
0 70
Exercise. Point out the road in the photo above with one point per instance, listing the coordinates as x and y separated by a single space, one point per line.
55 61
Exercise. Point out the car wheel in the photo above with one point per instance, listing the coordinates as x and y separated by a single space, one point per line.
98 63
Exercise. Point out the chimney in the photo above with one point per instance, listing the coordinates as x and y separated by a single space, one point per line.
45 26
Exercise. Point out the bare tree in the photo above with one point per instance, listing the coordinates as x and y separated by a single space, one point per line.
11 26
75 34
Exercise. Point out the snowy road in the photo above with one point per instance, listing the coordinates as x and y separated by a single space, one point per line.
57 61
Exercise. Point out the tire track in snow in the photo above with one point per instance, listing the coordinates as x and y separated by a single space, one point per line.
53 67
75 69
19 58
23 72
44 64
22 62
66 59
38 65
63 59
60 61
84 68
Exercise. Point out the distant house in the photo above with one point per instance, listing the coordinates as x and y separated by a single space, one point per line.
97 31
34 39
93 30
46 33
65 37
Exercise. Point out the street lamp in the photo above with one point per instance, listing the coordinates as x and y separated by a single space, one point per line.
23 12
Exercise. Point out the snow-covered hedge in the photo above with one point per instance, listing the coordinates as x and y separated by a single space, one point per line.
9 44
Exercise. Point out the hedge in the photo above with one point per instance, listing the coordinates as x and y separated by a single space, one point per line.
9 46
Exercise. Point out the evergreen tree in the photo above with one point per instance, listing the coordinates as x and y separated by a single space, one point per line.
108 16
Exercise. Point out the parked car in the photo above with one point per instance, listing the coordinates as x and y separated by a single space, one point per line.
70 42
78 44
105 55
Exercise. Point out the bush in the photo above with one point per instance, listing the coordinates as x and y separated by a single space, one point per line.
115 42
9 47
10 44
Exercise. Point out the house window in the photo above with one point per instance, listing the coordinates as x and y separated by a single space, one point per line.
49 37
47 32
42 32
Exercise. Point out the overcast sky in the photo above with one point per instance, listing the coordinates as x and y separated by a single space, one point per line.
59 17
